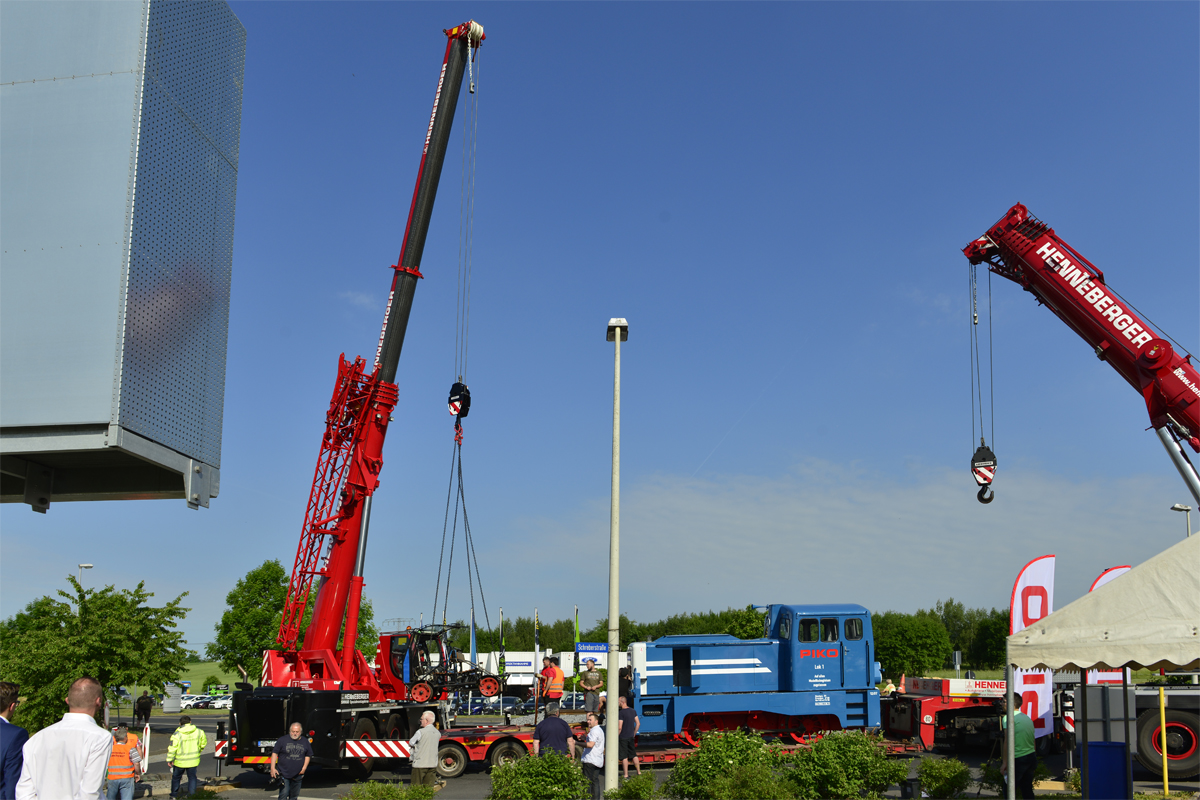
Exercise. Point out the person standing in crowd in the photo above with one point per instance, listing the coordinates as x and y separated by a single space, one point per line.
552 679
289 761
625 684
425 743
1023 748
589 681
141 709
123 764
70 757
553 734
12 739
628 726
183 754
593 757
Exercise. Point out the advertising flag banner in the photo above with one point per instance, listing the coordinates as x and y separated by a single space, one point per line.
1096 676
537 652
1033 599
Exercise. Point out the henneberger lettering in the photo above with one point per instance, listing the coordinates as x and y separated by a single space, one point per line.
1081 281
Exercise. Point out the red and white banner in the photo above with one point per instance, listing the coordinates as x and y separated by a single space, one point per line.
376 748
1096 676
1033 599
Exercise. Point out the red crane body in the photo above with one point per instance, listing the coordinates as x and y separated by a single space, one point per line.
1026 250
333 540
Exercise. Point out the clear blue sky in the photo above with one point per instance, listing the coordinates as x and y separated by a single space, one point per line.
775 196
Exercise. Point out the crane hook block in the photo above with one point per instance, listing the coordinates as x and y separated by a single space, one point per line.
460 400
983 467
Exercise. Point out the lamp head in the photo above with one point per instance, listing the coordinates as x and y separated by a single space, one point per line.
1180 507
615 324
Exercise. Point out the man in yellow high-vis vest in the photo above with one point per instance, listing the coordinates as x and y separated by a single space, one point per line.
183 755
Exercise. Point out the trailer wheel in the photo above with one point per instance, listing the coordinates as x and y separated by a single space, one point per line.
452 761
361 768
420 692
506 753
489 686
1183 735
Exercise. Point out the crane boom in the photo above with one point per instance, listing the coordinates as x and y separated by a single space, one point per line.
333 540
1026 250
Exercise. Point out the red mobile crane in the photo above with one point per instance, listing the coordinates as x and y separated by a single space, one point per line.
333 692
1026 250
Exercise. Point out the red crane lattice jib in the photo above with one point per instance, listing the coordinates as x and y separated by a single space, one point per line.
1026 250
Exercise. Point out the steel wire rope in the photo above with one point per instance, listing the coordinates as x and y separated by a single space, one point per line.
991 365
445 525
970 352
470 540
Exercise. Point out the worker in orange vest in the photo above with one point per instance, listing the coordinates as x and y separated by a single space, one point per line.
552 679
124 764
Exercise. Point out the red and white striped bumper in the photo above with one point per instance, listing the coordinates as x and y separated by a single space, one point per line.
376 748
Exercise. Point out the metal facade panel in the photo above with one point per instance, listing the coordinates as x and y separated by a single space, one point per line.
68 84
171 385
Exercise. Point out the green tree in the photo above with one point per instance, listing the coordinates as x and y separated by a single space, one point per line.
251 622
112 635
910 643
209 682
987 648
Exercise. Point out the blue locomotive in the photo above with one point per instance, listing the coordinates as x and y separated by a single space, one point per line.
812 671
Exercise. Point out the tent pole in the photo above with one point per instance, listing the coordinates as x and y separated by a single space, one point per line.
1162 727
1125 722
1085 783
1010 756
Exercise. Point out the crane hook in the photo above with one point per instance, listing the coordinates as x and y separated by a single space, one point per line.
983 496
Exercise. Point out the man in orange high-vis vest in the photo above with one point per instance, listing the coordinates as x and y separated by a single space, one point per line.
552 680
124 764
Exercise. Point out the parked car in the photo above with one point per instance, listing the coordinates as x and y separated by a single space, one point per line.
195 701
225 701
488 705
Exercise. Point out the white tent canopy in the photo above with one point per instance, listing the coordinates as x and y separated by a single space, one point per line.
1147 618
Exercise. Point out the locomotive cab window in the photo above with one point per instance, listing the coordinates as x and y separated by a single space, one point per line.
785 626
829 630
809 630
854 629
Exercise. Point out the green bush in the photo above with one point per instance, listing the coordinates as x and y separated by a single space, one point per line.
751 782
840 765
384 790
642 787
991 778
719 754
210 681
944 777
550 776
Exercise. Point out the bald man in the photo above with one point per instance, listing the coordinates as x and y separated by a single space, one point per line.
69 759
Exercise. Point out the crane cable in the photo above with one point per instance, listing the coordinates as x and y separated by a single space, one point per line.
983 462
459 402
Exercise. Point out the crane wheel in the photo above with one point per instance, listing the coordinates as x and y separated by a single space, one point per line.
452 760
420 692
489 687
1183 743
506 753
361 768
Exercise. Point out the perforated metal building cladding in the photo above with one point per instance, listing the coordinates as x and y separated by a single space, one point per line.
119 150
171 381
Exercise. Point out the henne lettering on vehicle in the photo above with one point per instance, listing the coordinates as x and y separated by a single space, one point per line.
1081 281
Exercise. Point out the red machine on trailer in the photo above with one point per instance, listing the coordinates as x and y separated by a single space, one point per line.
1026 250
332 691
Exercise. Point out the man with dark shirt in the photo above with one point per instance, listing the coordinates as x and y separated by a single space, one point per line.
627 728
141 708
553 733
289 760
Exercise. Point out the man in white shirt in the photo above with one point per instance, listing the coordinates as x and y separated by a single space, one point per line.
424 744
69 759
593 756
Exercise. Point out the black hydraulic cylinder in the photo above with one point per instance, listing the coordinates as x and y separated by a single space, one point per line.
404 284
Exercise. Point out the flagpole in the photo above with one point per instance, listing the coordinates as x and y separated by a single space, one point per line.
537 653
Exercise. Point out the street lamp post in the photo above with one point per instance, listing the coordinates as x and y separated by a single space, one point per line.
618 331
82 567
1187 510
